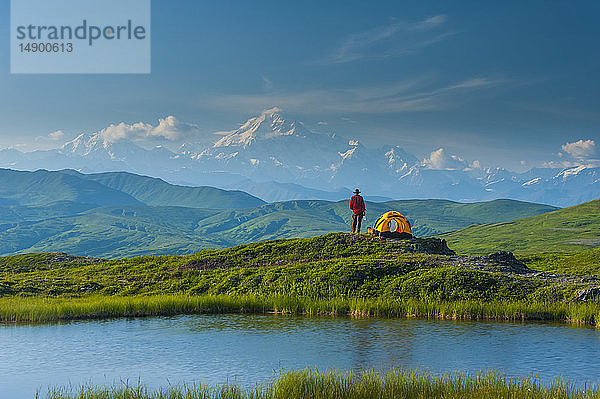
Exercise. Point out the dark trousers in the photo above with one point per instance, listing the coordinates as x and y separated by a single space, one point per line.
356 221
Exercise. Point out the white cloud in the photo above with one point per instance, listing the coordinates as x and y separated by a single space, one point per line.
576 153
470 83
387 41
57 135
45 142
168 128
405 96
438 159
582 149
433 21
268 83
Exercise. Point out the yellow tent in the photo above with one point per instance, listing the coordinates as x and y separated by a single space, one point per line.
392 224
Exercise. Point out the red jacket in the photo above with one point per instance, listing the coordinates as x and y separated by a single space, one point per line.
357 204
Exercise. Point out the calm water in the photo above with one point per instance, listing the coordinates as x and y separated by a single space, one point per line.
247 349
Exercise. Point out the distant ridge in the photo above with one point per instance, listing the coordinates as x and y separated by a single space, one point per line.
154 191
43 187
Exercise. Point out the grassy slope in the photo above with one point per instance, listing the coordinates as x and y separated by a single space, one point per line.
570 229
584 263
113 232
11 216
330 266
157 192
334 274
137 230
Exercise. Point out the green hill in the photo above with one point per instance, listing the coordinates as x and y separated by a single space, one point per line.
123 231
120 214
434 216
570 229
309 218
43 187
15 214
157 192
112 232
343 271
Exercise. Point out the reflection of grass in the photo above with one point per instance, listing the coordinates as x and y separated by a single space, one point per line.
37 310
366 385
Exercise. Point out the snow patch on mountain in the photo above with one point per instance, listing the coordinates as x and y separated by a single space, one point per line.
347 154
568 173
537 180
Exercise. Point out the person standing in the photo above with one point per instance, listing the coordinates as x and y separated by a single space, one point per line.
357 204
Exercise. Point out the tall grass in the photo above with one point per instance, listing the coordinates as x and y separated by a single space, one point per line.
41 310
366 385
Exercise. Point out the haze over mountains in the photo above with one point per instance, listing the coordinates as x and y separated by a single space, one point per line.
276 159
117 214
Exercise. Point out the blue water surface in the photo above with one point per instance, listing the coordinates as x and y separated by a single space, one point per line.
213 349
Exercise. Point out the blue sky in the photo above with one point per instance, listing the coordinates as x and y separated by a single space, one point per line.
497 82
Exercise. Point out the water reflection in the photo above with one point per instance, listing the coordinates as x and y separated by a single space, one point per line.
249 348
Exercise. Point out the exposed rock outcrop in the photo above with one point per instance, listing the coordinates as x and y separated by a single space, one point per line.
588 294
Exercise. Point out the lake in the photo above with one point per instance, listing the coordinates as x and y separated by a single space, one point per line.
212 349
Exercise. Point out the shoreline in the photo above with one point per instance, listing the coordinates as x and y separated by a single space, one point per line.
36 310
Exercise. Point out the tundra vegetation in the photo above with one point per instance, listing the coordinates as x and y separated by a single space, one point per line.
366 385
336 274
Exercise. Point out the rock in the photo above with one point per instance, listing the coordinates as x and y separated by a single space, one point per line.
508 262
431 246
440 247
588 294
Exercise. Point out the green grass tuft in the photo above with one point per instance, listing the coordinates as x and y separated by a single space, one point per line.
393 384
43 310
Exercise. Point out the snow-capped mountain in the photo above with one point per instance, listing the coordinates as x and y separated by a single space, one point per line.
93 152
268 125
270 148
98 148
279 159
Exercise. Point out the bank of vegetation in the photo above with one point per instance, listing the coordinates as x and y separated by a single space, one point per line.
326 385
44 310
334 274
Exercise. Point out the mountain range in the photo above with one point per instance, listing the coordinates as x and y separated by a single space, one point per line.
116 214
276 159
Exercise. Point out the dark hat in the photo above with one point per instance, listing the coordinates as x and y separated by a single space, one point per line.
356 191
